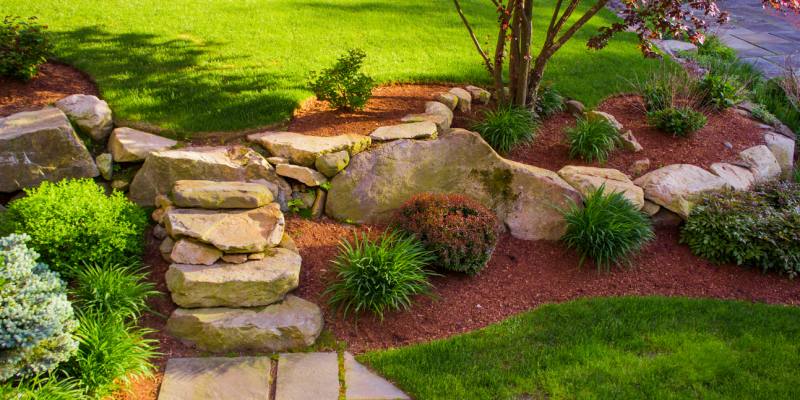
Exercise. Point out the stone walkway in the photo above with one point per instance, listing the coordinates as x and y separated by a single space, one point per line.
290 376
761 37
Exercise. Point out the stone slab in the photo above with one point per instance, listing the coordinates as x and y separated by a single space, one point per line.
363 384
214 195
128 145
304 149
307 376
412 130
232 231
211 378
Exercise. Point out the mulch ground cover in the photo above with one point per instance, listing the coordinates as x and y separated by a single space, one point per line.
54 81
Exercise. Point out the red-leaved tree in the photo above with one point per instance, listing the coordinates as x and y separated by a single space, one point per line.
650 19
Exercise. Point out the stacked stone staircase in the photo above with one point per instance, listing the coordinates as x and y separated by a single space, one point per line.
232 269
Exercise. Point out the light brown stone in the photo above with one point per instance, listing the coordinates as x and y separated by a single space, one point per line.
589 179
188 251
307 176
304 149
411 130
232 231
90 114
209 378
128 145
676 186
215 195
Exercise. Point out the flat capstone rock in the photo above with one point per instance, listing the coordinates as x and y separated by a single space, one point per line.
413 130
305 175
211 378
304 149
305 376
216 195
363 384
129 145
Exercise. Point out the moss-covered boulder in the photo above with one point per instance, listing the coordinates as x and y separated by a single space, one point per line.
376 183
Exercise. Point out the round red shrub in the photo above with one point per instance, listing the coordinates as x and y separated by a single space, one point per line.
459 230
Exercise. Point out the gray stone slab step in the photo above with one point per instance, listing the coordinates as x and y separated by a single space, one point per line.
363 384
307 376
216 378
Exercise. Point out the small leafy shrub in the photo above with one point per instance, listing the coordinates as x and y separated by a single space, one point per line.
344 86
111 353
24 46
762 114
376 276
592 140
461 232
756 228
73 222
680 121
112 289
720 91
36 319
506 127
548 101
712 46
607 229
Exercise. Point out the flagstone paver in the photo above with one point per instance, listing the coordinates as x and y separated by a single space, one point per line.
241 378
363 384
306 376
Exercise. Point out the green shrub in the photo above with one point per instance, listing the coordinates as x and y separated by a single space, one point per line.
42 387
720 91
112 352
376 276
592 140
73 222
681 121
762 114
461 232
756 228
36 319
506 127
774 98
712 46
548 102
24 46
663 88
110 288
344 86
797 174
607 228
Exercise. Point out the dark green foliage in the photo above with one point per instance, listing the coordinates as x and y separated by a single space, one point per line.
663 88
112 289
762 114
460 231
720 91
42 387
757 228
548 101
24 46
506 127
73 222
344 86
680 121
381 275
607 229
592 140
797 174
112 352
774 98
713 47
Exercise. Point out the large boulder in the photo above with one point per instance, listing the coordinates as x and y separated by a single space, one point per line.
41 146
739 178
232 231
292 324
304 149
783 149
162 169
377 182
248 284
214 195
762 163
588 179
90 114
127 145
675 187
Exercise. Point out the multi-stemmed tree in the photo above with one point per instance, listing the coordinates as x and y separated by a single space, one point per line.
650 19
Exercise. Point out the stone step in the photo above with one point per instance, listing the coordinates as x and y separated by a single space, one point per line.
304 149
215 195
249 284
232 231
216 378
291 324
411 130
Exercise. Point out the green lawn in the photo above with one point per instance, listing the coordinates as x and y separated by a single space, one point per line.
221 65
611 348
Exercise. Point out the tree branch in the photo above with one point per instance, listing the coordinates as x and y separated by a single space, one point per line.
578 25
487 62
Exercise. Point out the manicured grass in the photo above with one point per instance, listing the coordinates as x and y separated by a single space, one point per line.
221 65
611 348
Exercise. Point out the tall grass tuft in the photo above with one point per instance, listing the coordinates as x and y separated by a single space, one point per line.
111 288
592 140
506 127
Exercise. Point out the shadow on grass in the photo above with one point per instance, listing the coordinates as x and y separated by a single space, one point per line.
175 85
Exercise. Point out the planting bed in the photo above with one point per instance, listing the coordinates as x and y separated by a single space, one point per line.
55 81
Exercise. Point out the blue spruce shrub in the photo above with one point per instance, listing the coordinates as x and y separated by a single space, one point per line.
36 319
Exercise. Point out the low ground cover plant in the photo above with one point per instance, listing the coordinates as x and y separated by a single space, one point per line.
679 121
461 232
24 46
343 85
73 222
607 228
506 127
548 101
720 91
757 228
379 275
761 113
592 140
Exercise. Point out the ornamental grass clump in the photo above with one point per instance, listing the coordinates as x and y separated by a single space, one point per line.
758 228
112 289
73 222
36 319
379 275
592 140
607 229
506 127
461 232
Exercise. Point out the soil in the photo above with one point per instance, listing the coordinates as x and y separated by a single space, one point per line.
54 81
703 148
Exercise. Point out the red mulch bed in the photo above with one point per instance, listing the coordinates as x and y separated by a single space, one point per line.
703 148
54 81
